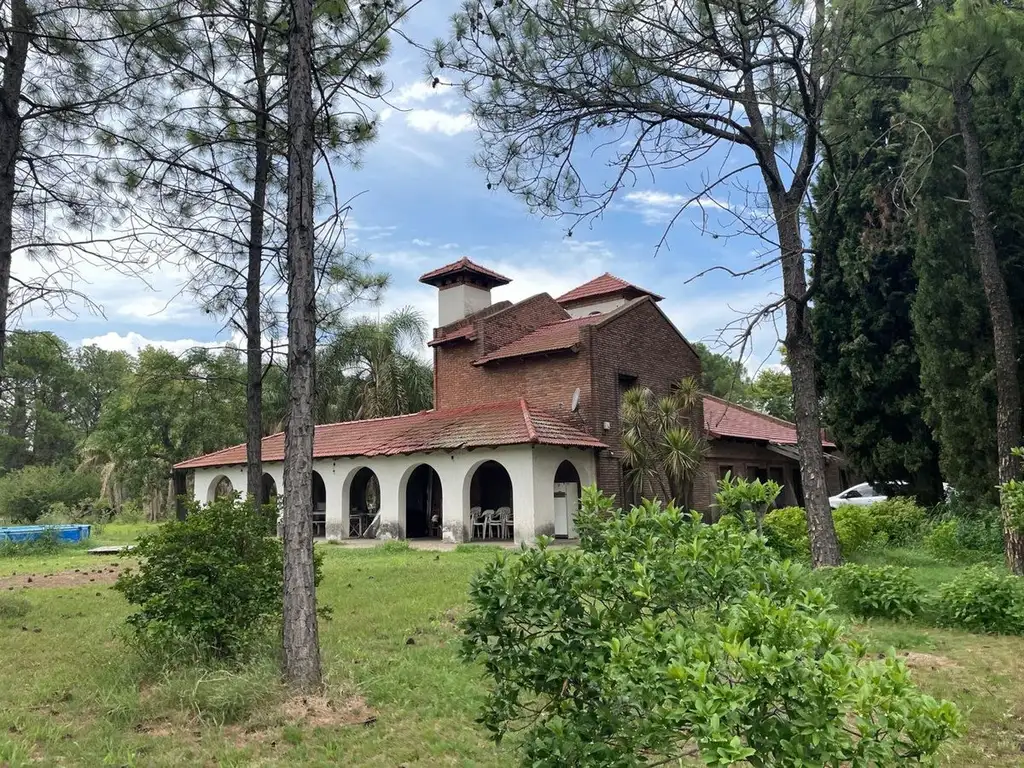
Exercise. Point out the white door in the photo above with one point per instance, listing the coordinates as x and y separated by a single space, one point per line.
566 503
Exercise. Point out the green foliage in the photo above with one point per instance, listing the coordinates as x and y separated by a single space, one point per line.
12 607
209 586
885 592
772 392
722 376
745 500
899 519
47 544
785 530
28 493
855 527
662 452
967 539
983 599
659 632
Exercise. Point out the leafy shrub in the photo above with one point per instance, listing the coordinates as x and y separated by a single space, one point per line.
966 540
131 512
12 607
27 493
983 599
900 520
660 632
855 528
886 592
207 586
786 531
744 500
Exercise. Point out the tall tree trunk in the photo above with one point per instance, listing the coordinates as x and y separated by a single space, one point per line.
17 34
301 643
1004 334
257 209
800 355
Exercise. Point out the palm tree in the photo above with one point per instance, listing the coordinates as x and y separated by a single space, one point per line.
661 449
372 368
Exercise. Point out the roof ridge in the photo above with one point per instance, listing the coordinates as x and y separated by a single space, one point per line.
531 431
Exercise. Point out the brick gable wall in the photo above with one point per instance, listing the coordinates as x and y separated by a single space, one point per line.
547 382
640 342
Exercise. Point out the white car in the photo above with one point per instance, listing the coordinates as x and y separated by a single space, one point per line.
861 495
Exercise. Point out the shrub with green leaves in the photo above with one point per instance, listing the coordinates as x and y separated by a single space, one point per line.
747 501
26 494
208 586
967 539
660 634
786 532
886 592
983 599
900 520
855 528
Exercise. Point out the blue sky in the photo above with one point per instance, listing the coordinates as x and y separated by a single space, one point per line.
421 204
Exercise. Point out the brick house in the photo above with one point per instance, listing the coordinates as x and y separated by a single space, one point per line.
526 411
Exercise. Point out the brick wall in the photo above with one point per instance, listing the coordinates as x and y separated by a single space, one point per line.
547 382
639 342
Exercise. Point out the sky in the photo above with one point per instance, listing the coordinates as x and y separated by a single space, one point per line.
419 203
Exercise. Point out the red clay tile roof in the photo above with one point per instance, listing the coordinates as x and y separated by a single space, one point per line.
464 265
564 334
725 419
605 285
509 423
456 334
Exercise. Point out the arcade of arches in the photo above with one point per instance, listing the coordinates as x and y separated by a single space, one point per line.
529 490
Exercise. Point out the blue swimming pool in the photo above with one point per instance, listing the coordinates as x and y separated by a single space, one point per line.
68 534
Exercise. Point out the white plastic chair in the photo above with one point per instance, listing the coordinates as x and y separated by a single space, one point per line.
476 520
506 522
491 524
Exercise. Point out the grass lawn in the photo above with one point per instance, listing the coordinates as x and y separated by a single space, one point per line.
397 693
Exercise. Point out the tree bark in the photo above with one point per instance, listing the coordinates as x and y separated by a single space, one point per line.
301 643
254 273
1004 334
800 355
18 35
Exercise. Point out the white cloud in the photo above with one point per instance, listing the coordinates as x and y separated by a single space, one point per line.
659 207
132 342
416 91
421 243
435 121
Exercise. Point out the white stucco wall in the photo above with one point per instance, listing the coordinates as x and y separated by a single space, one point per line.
602 306
455 302
531 469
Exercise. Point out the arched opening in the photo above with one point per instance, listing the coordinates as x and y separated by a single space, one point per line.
268 489
423 503
268 500
490 502
567 499
363 502
319 506
220 488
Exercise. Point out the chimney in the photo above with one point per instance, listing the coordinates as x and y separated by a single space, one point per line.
463 288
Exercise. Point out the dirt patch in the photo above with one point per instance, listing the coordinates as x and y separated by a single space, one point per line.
916 660
325 712
79 577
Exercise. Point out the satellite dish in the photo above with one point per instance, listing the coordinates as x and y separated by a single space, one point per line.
575 400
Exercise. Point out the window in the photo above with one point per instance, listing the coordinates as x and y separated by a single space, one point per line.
723 470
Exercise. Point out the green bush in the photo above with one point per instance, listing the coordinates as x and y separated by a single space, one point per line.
966 539
983 599
886 592
26 494
208 586
786 532
659 633
855 528
745 501
900 520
